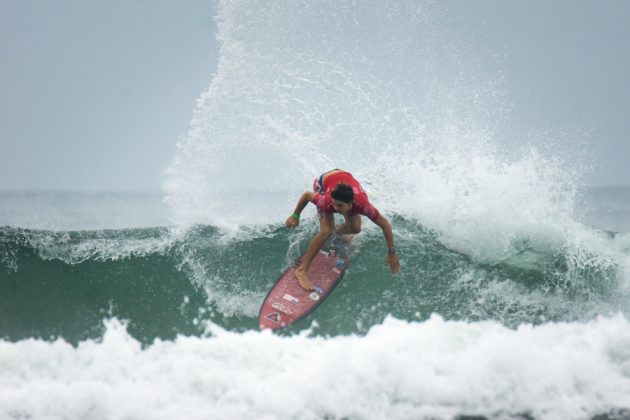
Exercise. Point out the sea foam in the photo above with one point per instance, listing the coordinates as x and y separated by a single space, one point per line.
399 370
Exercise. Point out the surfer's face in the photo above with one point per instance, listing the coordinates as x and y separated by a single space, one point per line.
341 206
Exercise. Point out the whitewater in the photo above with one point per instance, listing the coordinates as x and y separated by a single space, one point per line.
512 301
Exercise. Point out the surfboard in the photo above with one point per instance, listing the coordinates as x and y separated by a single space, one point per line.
287 302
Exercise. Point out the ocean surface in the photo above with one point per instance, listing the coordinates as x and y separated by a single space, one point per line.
161 321
513 295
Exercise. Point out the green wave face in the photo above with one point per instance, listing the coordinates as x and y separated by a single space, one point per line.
164 283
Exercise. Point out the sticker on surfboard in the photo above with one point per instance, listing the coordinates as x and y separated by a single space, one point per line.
290 298
274 316
282 308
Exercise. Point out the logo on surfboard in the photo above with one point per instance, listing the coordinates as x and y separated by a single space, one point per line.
290 298
282 308
274 316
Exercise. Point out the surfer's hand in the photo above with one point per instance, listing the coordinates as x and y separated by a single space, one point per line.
291 222
393 263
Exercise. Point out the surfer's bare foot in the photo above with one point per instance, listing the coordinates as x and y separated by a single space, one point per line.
347 237
303 279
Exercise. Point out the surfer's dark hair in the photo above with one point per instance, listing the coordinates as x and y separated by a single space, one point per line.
343 192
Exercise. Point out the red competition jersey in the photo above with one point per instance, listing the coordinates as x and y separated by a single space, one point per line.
360 205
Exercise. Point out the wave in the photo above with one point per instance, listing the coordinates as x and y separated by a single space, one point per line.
170 281
399 369
506 306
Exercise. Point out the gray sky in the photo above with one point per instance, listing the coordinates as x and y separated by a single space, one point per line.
94 95
568 68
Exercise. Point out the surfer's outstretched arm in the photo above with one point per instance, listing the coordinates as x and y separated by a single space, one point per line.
294 219
392 258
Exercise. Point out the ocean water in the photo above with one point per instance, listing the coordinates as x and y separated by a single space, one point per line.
512 300
161 321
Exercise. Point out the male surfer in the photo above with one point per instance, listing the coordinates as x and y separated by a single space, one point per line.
337 191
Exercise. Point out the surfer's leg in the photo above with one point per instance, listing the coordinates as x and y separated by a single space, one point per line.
326 228
352 225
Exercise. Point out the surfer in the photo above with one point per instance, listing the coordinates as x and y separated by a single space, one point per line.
337 191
